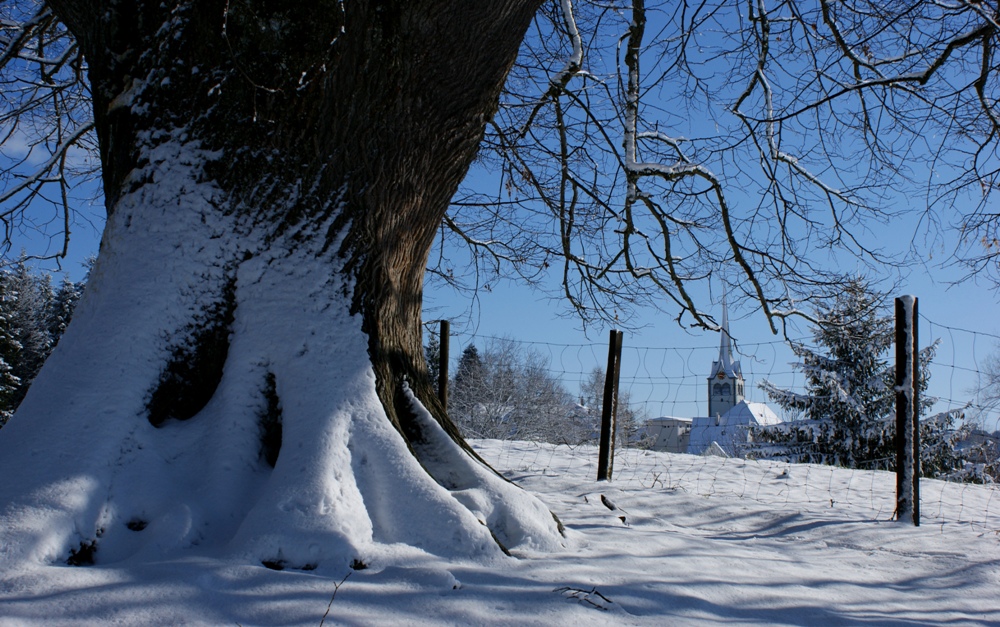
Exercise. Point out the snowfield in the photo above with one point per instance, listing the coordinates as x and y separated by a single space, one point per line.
672 540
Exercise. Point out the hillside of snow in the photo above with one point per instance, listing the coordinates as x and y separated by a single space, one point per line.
673 539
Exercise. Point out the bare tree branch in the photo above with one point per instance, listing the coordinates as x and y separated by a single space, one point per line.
765 143
48 145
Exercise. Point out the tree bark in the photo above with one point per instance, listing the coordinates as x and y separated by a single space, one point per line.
274 173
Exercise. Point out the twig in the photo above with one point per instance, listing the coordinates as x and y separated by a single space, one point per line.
333 596
584 596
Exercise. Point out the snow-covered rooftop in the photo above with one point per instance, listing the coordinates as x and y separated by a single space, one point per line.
729 430
747 413
667 419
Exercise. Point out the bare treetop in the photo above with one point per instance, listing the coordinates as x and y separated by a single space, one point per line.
765 142
640 151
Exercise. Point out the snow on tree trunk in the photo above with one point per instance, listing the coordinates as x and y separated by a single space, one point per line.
244 372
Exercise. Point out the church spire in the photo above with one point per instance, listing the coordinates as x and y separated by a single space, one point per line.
725 364
725 383
726 344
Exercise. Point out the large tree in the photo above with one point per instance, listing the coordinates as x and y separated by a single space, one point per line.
275 174
848 401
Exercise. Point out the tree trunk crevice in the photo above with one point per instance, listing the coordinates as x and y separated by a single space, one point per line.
195 366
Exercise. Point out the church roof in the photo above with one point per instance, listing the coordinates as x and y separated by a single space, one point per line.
729 431
745 413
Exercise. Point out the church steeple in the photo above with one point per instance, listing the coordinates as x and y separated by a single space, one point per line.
725 383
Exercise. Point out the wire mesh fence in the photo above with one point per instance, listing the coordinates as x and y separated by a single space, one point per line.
673 381
966 371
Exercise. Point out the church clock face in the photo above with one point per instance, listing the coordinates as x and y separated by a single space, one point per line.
720 376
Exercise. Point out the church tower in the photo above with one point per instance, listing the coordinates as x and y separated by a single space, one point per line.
725 383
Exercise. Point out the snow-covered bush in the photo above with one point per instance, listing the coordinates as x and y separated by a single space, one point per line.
507 392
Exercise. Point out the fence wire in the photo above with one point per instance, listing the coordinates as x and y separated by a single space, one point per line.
665 381
965 372
672 381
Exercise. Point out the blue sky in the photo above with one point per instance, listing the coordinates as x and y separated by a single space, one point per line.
664 365
667 365
667 354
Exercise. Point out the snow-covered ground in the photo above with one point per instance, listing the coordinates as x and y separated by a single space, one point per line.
692 540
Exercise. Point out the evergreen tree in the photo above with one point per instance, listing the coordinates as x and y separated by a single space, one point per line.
466 389
432 352
28 297
848 410
9 350
33 317
470 367
848 393
61 307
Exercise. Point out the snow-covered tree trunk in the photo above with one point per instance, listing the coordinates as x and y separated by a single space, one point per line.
245 370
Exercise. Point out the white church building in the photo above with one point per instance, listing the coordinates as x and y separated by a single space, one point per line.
726 428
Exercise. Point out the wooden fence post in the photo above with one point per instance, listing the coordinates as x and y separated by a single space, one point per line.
443 363
907 411
609 408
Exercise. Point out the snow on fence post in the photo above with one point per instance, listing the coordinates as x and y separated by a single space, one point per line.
443 363
907 411
609 408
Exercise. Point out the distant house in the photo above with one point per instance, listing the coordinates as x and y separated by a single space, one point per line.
669 434
730 416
